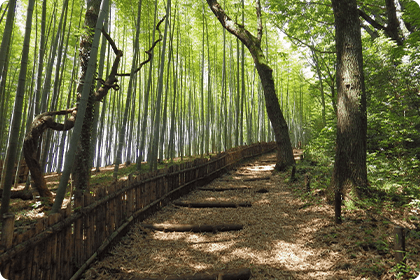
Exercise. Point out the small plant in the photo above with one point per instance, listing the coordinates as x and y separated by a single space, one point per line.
36 205
400 270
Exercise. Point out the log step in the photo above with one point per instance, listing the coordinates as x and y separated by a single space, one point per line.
193 227
226 274
212 204
22 194
256 179
221 189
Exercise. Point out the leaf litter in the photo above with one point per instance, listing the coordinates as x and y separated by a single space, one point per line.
284 236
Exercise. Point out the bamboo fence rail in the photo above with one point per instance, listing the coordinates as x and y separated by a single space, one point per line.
61 246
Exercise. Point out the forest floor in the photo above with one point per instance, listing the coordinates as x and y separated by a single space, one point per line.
287 234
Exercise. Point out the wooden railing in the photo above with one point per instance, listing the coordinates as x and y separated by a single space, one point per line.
61 246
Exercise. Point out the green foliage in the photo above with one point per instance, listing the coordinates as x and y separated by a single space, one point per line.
393 121
321 148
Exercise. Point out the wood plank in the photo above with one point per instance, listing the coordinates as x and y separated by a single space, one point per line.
223 189
193 227
211 204
231 274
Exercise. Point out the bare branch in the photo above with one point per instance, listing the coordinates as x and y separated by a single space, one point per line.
370 20
111 42
149 52
111 81
303 43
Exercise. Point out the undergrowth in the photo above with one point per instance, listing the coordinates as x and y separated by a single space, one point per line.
394 183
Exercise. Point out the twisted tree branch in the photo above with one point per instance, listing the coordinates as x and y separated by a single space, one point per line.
149 52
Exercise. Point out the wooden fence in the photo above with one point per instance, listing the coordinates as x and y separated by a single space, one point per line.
61 246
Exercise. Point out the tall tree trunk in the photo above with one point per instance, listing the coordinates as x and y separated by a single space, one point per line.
284 147
350 158
85 98
40 58
156 130
146 100
82 164
7 173
121 136
4 62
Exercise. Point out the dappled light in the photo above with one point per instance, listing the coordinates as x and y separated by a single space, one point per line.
283 237
227 139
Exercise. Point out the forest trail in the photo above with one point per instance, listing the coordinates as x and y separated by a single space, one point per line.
283 237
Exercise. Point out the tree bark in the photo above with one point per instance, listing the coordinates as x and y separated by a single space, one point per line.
21 194
350 159
31 144
82 164
7 172
284 147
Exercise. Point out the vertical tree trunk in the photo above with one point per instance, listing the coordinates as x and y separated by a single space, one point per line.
156 131
130 89
146 100
7 173
96 141
4 61
241 119
82 164
350 158
284 147
85 98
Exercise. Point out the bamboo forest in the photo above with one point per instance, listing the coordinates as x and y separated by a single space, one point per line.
234 139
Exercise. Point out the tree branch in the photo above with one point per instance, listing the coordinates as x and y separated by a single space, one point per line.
303 43
149 52
370 20
111 42
230 25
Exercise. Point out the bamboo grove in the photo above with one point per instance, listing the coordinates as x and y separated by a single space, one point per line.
198 94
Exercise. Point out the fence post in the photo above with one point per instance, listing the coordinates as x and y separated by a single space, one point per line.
7 231
399 244
307 183
7 238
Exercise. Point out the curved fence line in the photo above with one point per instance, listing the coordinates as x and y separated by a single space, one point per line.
62 245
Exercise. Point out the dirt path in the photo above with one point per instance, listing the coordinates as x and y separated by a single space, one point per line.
283 237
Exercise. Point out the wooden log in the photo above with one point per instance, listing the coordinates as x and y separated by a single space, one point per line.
227 274
212 204
22 194
256 179
193 227
222 189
